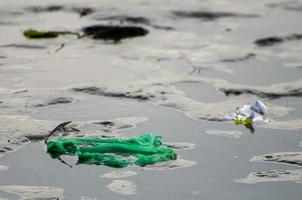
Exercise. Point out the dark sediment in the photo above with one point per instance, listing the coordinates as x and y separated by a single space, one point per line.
239 59
272 175
208 15
103 92
23 46
115 125
127 19
268 95
180 146
134 20
39 9
12 144
115 33
110 126
105 123
82 11
167 28
274 40
36 137
293 158
59 100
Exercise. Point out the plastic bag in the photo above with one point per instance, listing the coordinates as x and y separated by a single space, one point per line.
249 114
140 150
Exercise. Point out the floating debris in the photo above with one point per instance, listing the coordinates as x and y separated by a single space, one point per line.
249 114
122 187
164 93
259 107
114 33
141 150
35 34
64 127
247 122
17 131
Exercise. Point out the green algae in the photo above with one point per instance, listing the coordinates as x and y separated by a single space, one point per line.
35 34
140 150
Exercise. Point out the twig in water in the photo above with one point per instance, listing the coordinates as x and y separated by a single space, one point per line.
61 47
64 162
60 126
79 36
194 68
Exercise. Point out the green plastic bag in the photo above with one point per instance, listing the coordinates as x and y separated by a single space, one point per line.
140 150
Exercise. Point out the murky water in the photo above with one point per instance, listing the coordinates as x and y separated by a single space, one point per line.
197 63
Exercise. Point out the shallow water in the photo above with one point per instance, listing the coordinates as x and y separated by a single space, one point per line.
169 82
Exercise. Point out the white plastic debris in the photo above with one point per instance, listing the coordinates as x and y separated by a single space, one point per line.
255 111
259 107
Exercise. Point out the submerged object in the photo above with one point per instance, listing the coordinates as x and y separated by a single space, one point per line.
114 33
140 150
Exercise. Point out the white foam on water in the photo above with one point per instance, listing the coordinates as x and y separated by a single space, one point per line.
122 187
225 133
34 192
272 176
119 174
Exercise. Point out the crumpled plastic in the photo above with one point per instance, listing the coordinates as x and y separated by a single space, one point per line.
249 114
140 150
